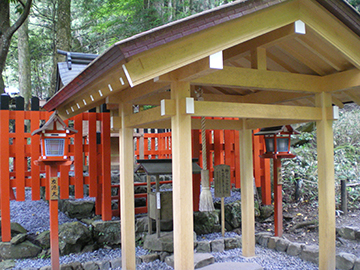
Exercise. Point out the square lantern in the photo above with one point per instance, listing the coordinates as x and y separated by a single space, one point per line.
54 139
277 141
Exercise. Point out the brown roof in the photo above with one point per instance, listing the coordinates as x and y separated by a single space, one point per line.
124 50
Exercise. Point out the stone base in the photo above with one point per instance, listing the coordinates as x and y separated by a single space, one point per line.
164 243
233 266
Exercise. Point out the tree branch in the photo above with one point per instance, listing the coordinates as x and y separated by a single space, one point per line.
12 29
21 3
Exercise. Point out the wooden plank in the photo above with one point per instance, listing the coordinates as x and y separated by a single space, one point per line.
326 182
93 173
247 193
35 153
106 168
4 174
261 79
127 191
78 157
182 181
263 111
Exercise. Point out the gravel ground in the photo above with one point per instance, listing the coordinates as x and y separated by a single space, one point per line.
34 217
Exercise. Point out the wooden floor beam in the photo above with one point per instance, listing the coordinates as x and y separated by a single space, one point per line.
325 151
182 181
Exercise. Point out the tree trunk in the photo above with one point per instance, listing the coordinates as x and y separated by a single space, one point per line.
4 47
63 36
24 62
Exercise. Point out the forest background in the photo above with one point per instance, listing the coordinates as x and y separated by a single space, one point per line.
91 26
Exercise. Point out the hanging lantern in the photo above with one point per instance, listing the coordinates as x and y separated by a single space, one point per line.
277 141
54 139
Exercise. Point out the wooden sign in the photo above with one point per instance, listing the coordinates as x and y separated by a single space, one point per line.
54 192
222 180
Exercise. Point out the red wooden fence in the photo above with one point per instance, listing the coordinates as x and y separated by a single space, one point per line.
19 149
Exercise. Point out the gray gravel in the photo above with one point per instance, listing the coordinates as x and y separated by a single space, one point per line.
34 217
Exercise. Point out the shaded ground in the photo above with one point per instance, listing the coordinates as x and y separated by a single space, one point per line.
301 225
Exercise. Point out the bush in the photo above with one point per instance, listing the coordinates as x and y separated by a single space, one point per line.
302 170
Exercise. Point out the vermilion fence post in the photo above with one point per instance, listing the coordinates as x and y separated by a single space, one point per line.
19 143
78 157
4 169
237 158
35 150
106 156
92 158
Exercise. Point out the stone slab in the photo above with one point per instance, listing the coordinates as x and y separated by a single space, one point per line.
233 266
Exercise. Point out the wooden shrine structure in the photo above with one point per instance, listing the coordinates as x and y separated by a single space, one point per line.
264 63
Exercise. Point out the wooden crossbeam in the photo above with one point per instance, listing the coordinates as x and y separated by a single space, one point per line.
261 79
341 81
216 109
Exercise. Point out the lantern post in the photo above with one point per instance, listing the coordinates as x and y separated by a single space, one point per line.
277 142
54 140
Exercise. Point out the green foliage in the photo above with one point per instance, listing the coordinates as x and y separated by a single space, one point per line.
346 156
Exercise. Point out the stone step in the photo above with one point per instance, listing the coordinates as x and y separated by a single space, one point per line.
233 266
200 260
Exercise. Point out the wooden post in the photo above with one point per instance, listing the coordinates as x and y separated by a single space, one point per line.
278 215
105 164
157 198
54 220
126 153
247 192
4 170
182 180
344 207
325 151
148 179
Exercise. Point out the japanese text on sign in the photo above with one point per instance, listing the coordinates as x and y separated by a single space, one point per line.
54 193
222 180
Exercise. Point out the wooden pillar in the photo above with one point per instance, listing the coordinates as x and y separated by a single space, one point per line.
247 192
126 153
182 180
325 151
278 210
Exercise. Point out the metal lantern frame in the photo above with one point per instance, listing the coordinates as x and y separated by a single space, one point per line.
277 141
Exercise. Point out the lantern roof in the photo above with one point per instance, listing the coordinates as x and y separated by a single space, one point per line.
286 129
162 166
49 125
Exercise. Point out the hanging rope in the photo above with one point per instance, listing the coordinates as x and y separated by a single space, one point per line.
206 201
